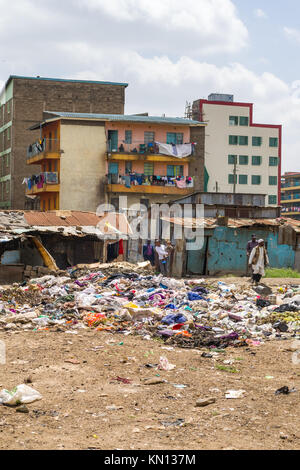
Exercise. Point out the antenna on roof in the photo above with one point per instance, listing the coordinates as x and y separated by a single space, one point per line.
188 114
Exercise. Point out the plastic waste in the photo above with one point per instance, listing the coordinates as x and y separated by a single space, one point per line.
22 394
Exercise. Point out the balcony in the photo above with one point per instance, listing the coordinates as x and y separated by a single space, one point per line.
138 150
149 184
47 182
43 150
290 185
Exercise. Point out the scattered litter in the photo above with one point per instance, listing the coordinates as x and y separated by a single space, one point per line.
22 394
235 394
285 391
127 299
165 365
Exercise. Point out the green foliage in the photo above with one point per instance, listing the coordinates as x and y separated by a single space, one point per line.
282 273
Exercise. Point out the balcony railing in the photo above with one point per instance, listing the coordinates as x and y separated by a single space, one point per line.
139 147
41 146
291 184
181 182
42 179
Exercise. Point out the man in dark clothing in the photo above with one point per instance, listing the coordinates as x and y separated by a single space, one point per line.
148 252
250 245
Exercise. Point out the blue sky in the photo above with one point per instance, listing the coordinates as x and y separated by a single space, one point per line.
169 51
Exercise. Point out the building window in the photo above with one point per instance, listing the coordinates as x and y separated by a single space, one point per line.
256 161
256 141
128 137
232 179
8 160
7 187
273 180
149 137
8 133
8 107
233 140
128 168
273 142
243 179
148 169
272 200
273 161
244 160
174 170
256 179
175 138
232 159
233 120
243 140
244 121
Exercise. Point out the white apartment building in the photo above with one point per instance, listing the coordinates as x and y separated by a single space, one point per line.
240 156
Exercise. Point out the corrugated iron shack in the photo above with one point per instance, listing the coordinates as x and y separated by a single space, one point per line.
223 250
35 243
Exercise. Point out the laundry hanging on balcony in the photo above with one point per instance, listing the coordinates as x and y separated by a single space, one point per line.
178 151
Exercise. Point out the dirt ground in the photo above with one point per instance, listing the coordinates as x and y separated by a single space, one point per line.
84 408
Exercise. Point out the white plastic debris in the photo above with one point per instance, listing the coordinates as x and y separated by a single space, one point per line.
165 365
235 394
22 394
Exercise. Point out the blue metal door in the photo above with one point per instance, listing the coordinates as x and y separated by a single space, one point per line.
197 259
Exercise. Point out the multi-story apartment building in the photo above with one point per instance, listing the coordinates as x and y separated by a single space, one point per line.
22 102
240 155
290 195
89 159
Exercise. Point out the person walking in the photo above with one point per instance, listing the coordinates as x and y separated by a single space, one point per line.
162 257
258 260
250 245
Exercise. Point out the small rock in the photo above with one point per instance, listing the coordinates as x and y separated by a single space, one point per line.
22 409
206 402
155 381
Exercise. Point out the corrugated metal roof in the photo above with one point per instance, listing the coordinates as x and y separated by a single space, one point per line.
61 218
56 219
127 118
233 223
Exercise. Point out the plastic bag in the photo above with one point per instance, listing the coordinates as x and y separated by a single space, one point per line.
22 394
165 365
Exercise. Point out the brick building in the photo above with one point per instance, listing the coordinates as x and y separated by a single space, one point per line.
22 103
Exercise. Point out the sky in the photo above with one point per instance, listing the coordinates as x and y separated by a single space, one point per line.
168 51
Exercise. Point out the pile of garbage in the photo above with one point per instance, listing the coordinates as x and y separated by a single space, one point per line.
127 299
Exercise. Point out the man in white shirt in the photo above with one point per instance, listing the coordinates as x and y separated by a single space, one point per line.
162 257
259 260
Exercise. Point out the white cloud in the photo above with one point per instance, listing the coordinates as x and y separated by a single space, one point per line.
292 33
259 13
161 85
213 23
161 48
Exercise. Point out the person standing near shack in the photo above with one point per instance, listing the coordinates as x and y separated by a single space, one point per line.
250 245
258 260
148 252
162 257
170 249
